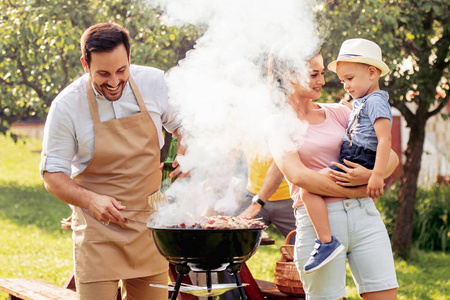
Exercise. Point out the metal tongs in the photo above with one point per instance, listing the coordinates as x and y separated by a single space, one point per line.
138 210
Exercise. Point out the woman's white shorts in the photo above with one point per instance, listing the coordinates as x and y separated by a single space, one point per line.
357 224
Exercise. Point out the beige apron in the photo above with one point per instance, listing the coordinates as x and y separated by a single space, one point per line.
125 165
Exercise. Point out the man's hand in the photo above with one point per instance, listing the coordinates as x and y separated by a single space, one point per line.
181 151
106 209
251 211
375 187
177 170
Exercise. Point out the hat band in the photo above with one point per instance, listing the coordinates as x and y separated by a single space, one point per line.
344 56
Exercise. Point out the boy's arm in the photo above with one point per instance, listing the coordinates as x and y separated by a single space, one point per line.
376 183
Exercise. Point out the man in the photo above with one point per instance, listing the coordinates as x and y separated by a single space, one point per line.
100 155
267 196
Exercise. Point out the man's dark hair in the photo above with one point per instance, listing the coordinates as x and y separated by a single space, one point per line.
103 37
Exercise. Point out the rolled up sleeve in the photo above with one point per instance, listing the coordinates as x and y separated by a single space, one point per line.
59 143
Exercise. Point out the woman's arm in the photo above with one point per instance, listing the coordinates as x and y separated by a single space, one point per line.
359 175
297 173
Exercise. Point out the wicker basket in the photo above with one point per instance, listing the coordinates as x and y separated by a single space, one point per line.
286 277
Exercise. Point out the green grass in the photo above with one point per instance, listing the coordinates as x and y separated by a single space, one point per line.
33 244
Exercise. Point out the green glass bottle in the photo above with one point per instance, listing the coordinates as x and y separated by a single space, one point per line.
167 169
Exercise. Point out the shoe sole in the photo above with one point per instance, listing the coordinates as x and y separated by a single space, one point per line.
329 258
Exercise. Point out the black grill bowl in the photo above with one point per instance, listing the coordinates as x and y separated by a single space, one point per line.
207 249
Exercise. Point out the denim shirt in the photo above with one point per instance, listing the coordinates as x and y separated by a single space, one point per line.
376 106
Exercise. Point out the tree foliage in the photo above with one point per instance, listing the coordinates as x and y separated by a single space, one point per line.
40 55
415 38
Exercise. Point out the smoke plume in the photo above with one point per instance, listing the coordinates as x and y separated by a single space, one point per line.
222 94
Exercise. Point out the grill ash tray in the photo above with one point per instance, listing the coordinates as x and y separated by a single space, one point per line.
202 291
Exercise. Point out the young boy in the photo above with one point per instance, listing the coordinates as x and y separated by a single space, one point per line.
367 142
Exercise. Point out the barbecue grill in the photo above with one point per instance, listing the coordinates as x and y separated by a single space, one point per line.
207 250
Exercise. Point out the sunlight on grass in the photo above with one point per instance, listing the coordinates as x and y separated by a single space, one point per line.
425 276
19 162
32 242
31 252
262 263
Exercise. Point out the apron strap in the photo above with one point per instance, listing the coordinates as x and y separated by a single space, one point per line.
138 95
93 103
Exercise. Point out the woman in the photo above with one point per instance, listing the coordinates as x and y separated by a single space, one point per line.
354 219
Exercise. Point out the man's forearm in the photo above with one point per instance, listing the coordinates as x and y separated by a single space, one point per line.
67 190
271 182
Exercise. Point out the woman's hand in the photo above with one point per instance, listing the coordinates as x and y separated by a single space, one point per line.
355 176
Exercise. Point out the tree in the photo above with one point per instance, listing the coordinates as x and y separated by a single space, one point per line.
40 54
410 32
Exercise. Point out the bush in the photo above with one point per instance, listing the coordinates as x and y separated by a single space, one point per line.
431 228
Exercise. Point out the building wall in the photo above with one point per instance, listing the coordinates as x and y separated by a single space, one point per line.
35 130
436 156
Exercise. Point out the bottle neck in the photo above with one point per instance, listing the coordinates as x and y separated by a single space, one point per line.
172 153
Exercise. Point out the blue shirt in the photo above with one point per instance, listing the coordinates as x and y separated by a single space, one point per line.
376 106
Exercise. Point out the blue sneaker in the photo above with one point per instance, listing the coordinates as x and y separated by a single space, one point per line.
323 254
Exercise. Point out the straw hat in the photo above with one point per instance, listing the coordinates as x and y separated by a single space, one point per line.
360 51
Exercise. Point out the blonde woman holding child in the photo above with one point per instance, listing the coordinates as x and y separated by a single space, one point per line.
350 213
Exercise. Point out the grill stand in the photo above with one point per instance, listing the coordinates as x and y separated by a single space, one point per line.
234 269
184 269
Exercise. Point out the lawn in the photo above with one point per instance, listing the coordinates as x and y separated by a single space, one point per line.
33 244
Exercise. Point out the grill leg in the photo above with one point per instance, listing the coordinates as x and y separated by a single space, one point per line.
234 269
177 287
241 289
209 283
181 270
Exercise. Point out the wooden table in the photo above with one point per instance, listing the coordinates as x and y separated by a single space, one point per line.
34 289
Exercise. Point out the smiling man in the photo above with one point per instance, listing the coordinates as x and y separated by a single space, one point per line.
100 154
